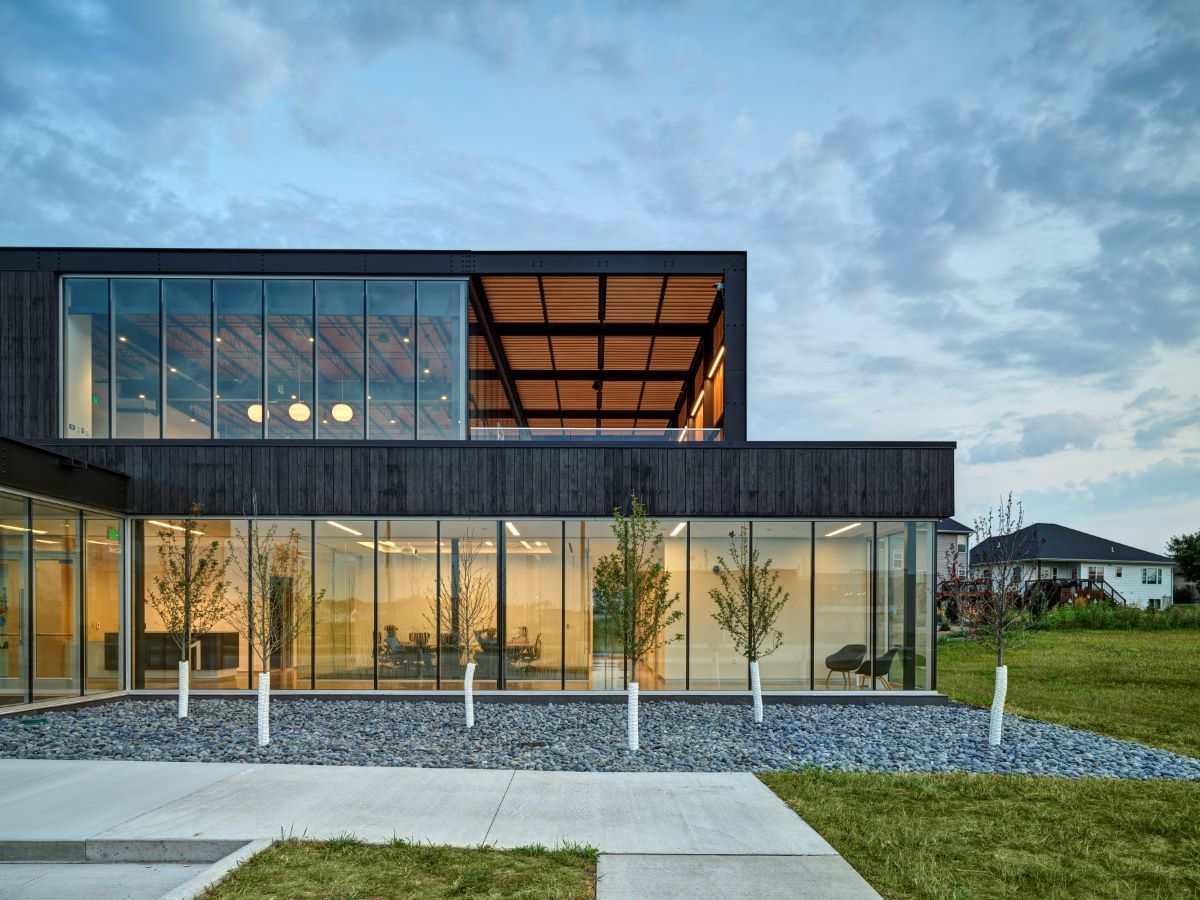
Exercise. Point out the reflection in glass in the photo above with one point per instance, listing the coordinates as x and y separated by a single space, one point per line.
345 570
893 568
716 666
787 547
291 664
407 561
467 603
138 354
86 358
442 353
187 307
239 354
841 589
340 358
923 631
14 568
290 344
102 602
533 564
391 332
55 600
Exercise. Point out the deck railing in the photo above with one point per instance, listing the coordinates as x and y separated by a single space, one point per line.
584 435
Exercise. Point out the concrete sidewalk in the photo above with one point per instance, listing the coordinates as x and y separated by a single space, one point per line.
660 834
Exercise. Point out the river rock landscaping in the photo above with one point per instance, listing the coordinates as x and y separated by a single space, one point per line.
580 736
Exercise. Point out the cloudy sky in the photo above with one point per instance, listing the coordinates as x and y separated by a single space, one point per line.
968 221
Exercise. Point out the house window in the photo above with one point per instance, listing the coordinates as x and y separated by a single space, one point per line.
1118 571
962 545
1095 573
1151 576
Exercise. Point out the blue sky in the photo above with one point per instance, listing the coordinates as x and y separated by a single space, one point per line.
965 221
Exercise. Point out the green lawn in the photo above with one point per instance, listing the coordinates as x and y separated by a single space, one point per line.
970 837
346 868
1137 685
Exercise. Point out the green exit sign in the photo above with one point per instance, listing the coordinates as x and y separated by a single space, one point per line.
113 534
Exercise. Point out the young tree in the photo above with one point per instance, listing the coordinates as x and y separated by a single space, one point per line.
1185 550
995 613
631 587
188 593
469 606
273 601
748 603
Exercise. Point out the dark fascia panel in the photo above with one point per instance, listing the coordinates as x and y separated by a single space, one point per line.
35 470
197 261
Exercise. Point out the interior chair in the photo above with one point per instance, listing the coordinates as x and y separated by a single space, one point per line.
846 660
883 665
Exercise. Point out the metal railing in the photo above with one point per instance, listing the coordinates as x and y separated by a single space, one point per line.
583 435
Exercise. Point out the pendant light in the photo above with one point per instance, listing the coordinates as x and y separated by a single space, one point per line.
255 413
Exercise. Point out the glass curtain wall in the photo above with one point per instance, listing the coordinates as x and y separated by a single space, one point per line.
406 604
785 549
407 561
344 569
715 665
467 602
56 566
244 358
533 569
842 640
14 597
102 599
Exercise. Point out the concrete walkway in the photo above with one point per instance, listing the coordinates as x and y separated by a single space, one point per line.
660 834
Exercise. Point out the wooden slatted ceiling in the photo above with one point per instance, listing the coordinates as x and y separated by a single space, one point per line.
514 299
632 299
575 299
572 299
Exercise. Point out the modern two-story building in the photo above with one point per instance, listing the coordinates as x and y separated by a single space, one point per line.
408 414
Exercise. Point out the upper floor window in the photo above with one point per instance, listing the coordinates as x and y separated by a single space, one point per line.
1151 576
278 358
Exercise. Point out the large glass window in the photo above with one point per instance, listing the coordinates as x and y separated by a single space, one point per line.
785 548
55 600
715 663
442 352
187 332
14 594
407 562
467 602
239 375
533 563
345 636
391 332
841 593
138 354
290 340
341 355
585 670
102 602
86 358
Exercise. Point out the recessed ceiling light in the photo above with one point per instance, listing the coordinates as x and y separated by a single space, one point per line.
343 527
843 528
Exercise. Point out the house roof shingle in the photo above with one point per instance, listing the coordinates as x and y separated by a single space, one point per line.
1044 540
953 526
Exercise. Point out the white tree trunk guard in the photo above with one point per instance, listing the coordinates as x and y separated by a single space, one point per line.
183 688
469 694
264 708
756 690
996 726
632 710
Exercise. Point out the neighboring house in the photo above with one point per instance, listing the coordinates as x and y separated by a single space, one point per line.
1063 558
442 430
951 535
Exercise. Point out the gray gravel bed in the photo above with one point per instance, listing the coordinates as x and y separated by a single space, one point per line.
675 736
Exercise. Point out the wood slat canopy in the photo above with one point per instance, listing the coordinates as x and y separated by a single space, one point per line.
627 347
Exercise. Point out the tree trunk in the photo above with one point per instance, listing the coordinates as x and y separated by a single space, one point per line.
264 708
632 710
469 694
756 691
183 688
996 726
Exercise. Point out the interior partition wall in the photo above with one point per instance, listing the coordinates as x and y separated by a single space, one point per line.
407 604
61 575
